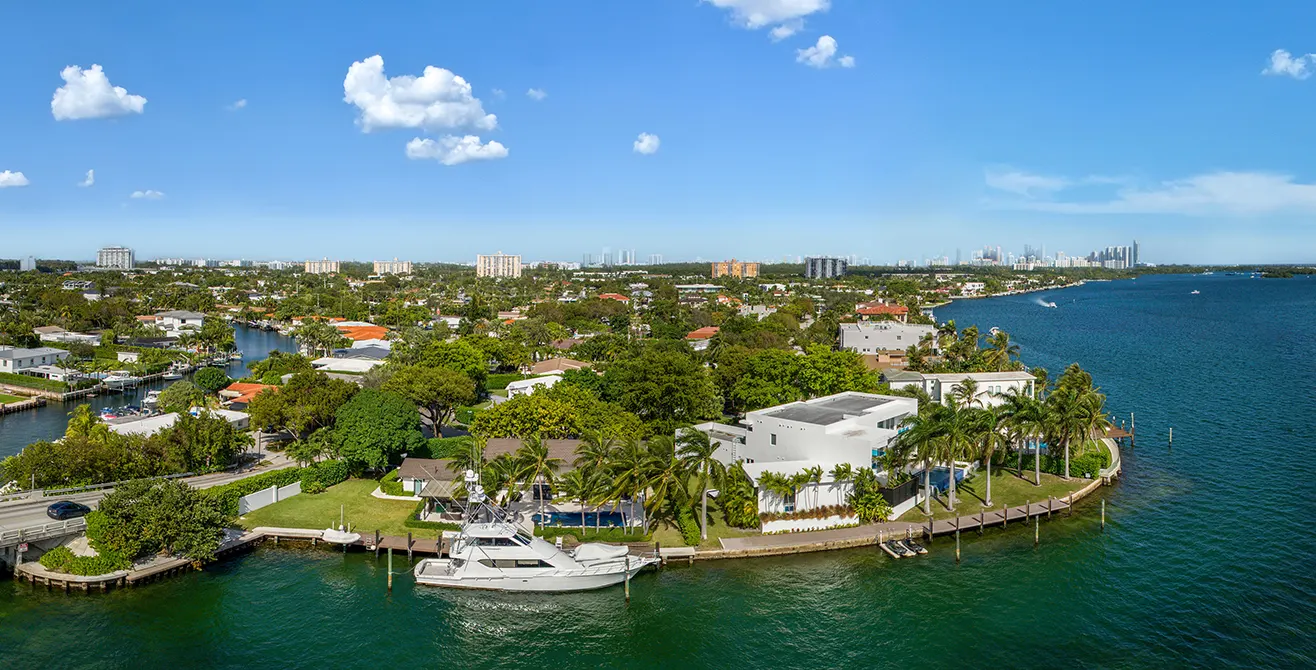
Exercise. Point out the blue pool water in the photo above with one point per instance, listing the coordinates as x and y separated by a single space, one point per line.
603 519
939 478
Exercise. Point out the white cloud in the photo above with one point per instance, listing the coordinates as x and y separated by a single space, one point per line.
646 144
1283 63
823 54
148 194
452 150
537 94
90 180
88 94
499 93
12 179
1023 183
237 105
787 16
438 99
1222 193
785 30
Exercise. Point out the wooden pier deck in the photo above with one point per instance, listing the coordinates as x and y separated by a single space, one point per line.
1000 517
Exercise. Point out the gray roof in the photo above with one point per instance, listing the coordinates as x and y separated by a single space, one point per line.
902 376
28 353
424 468
372 352
829 410
181 314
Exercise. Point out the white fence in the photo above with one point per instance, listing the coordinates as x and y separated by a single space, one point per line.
269 496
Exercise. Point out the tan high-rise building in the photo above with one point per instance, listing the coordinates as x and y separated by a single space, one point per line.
393 267
498 265
322 267
735 268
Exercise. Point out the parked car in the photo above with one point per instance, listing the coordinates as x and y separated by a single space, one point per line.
66 509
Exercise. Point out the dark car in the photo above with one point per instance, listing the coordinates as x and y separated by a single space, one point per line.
66 509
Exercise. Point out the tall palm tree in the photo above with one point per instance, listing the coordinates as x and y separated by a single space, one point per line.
667 478
536 466
955 425
630 466
1066 418
575 486
965 393
920 439
843 472
815 474
696 453
1001 351
594 456
990 432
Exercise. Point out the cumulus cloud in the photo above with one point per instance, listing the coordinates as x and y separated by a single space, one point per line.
12 179
88 94
646 144
1282 63
438 99
90 180
786 16
823 54
1023 183
1223 193
148 194
537 94
239 104
452 150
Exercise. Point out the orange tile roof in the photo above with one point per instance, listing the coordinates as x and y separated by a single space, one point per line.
702 333
246 391
869 309
614 296
359 333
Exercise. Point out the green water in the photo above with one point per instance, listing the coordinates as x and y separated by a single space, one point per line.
1204 561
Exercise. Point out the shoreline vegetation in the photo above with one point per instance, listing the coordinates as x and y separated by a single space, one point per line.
638 357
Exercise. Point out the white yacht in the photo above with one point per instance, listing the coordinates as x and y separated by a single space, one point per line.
490 552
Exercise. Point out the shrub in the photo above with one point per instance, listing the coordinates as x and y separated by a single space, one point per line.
210 380
1088 464
390 485
61 559
689 528
501 380
317 477
228 494
466 415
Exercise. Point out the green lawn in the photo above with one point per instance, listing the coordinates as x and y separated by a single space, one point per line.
671 537
1007 489
6 399
365 513
33 382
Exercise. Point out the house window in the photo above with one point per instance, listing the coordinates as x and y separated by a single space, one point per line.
774 439
788 503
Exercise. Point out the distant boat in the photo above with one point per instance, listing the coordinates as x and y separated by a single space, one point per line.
1196 292
152 399
994 331
1049 304
172 375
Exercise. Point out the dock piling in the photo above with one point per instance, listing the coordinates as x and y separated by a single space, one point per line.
1171 437
628 579
376 544
408 546
1037 529
390 569
1103 514
957 545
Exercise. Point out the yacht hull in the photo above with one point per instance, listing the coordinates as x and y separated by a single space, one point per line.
434 572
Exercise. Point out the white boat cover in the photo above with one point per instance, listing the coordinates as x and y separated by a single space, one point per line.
595 552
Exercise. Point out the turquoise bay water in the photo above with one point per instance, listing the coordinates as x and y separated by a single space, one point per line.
1204 562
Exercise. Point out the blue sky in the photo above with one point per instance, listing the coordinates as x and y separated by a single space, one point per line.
909 129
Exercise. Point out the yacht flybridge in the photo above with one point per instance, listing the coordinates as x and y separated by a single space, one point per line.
491 552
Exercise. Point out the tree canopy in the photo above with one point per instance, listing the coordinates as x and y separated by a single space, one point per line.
374 427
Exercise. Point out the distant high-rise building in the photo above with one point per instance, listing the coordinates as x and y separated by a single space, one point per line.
120 258
822 267
655 259
393 267
735 268
498 265
321 267
1133 261
27 264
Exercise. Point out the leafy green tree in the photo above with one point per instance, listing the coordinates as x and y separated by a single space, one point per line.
203 442
145 517
320 337
308 401
279 363
666 389
866 497
374 427
211 380
461 356
696 452
438 392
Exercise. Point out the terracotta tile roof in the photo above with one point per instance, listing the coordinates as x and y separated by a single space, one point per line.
242 392
556 365
704 333
873 308
359 333
614 296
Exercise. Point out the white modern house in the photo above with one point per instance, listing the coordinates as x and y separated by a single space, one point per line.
847 428
14 360
175 322
874 337
992 386
528 386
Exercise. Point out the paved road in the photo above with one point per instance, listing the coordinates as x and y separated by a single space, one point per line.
33 513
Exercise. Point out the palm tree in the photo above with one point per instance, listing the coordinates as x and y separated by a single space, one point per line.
667 477
798 481
1001 352
594 456
990 433
536 466
965 393
920 439
843 472
575 486
1066 419
956 429
1024 417
696 453
630 464
815 474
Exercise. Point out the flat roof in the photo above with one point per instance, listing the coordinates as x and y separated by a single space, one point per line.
826 411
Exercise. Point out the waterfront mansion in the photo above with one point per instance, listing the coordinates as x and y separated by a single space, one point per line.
851 427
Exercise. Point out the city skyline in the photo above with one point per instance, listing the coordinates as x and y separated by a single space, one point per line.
715 128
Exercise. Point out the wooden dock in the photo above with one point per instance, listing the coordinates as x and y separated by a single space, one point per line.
1001 517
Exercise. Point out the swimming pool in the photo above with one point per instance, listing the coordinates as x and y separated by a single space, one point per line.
939 478
601 519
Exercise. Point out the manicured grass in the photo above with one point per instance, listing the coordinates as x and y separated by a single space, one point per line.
1008 489
363 512
6 399
671 537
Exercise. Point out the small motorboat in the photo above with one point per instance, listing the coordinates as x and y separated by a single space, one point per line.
235 356
1052 305
152 399
1196 292
339 536
172 375
896 549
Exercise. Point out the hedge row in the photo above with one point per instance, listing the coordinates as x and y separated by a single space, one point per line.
314 478
62 559
1087 465
413 521
590 535
27 381
390 485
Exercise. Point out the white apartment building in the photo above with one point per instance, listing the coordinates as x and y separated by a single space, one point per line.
120 258
321 267
393 267
27 264
498 265
852 428
992 386
873 337
13 360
